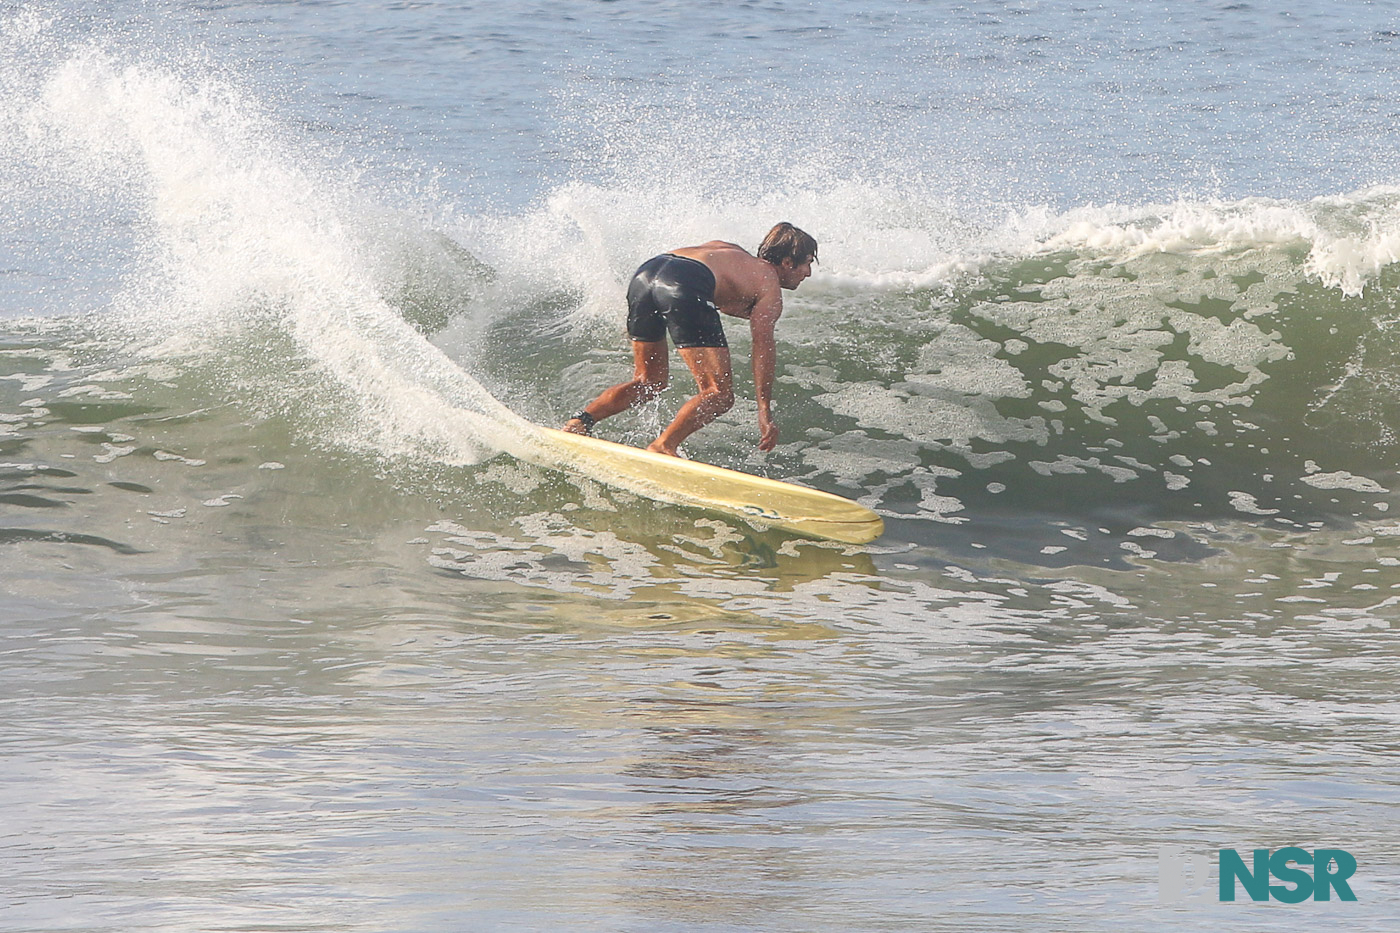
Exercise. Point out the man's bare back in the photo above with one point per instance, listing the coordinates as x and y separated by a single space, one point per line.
740 278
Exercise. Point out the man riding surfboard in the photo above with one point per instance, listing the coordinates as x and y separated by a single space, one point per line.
683 292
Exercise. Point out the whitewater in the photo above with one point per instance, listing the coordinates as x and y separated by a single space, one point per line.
295 635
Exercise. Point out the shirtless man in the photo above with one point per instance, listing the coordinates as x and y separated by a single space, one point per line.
684 292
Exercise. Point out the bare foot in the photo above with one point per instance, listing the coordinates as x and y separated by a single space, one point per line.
657 447
575 426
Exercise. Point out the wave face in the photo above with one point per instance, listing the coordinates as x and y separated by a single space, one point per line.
1120 370
1184 362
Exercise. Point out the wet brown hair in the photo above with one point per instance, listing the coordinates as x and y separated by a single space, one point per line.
785 241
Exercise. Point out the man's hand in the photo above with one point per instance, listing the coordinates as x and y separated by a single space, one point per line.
767 431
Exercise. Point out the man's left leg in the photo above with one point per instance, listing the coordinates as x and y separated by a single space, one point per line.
714 380
650 371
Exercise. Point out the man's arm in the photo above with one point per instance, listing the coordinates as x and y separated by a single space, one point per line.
766 312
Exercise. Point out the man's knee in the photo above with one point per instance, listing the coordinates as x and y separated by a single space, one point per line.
719 400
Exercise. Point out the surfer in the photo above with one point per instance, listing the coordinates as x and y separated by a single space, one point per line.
683 292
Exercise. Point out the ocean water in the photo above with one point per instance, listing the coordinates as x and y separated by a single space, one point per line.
1105 325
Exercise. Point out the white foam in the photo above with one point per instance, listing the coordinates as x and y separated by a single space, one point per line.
112 452
1349 238
1175 481
1244 502
1341 479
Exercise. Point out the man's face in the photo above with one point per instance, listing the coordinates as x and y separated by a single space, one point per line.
791 275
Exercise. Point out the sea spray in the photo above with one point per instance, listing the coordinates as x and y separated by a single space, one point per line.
246 235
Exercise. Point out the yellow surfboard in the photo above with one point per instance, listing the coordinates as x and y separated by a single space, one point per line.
686 482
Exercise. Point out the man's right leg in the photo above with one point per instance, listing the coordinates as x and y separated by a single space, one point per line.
651 370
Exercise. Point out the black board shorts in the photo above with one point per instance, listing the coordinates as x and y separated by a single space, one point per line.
675 294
